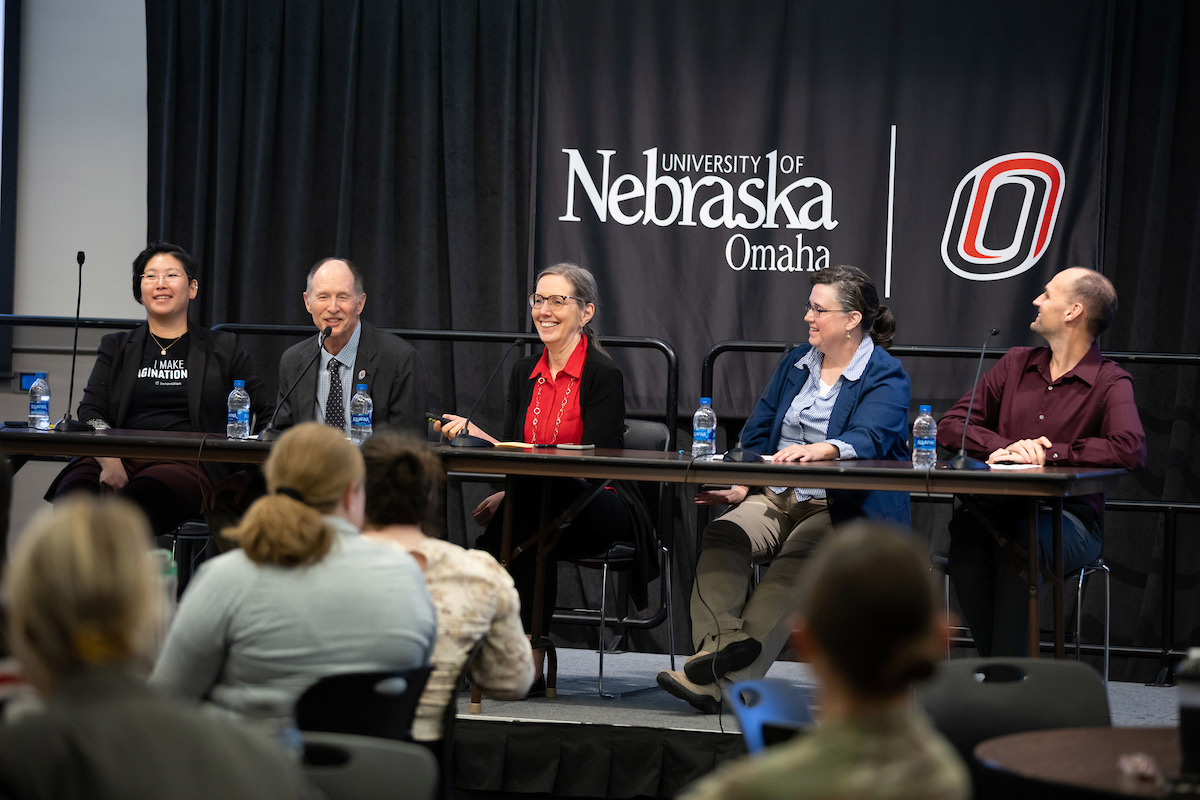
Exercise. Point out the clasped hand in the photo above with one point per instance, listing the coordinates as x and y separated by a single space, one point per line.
1023 451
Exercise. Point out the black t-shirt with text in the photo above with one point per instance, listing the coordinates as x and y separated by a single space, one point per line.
160 394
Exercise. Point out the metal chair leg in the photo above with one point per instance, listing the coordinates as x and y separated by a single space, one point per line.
670 604
600 633
1099 566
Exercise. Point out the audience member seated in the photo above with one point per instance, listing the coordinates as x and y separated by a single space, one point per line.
474 596
85 604
870 627
165 375
306 596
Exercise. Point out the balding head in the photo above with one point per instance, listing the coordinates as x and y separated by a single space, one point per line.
1097 296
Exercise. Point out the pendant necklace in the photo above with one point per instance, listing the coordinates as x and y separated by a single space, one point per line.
161 349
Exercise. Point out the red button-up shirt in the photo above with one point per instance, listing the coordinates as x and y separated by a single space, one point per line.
554 415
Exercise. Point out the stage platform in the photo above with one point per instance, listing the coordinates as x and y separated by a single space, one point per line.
645 743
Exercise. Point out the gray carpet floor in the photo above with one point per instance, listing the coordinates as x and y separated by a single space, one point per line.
643 704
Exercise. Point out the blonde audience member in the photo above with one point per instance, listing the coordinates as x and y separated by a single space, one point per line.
84 604
306 595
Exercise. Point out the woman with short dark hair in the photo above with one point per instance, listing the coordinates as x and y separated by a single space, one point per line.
165 375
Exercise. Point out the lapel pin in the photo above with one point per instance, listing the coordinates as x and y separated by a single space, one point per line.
362 373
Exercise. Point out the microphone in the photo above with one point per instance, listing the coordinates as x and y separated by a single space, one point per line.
66 423
465 439
271 433
962 460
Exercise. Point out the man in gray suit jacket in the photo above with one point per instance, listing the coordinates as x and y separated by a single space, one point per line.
355 352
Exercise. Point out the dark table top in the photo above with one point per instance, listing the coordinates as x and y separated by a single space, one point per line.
1084 759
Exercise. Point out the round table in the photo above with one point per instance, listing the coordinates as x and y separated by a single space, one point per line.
1078 761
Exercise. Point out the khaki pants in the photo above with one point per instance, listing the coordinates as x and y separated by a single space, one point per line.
765 526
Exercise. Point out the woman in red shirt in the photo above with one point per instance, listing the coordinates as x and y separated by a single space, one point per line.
570 393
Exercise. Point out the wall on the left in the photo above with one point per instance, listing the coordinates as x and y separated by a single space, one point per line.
81 185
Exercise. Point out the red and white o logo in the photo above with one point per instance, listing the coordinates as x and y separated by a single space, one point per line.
1037 181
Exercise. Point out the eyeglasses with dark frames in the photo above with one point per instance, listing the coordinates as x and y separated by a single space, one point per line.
819 312
556 301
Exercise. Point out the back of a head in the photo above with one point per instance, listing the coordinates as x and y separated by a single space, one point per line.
81 590
308 472
403 481
870 605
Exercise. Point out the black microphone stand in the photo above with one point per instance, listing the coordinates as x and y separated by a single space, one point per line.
962 461
271 433
465 439
66 423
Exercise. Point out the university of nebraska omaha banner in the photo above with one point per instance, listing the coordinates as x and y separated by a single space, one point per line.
704 157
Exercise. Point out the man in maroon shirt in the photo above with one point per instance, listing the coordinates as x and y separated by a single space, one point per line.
1061 404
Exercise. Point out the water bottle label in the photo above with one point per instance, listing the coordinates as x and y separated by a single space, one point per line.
360 420
704 435
39 408
243 416
924 443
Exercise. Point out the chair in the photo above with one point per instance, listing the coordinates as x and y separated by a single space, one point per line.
443 749
349 767
619 559
940 562
1096 566
973 699
190 544
770 711
380 704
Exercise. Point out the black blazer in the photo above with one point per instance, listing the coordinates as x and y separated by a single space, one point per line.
602 408
215 360
390 366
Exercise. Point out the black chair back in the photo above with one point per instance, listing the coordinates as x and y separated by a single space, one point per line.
380 704
974 699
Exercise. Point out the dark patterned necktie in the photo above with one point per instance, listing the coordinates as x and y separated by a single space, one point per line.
335 412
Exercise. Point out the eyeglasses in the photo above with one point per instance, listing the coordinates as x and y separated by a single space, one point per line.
556 301
169 277
819 312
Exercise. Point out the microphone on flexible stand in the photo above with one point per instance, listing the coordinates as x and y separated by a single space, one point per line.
66 423
962 460
271 433
465 439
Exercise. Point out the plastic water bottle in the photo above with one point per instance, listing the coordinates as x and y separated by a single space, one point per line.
704 430
924 451
361 409
39 404
237 425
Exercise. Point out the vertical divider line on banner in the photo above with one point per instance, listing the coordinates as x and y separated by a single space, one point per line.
887 268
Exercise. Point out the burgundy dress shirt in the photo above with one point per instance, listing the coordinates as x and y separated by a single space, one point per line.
1088 414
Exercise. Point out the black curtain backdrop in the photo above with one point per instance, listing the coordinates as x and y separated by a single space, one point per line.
419 140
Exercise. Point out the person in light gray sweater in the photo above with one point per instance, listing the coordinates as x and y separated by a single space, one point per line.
305 597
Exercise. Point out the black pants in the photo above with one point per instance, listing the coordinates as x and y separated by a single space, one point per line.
604 520
169 492
993 597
